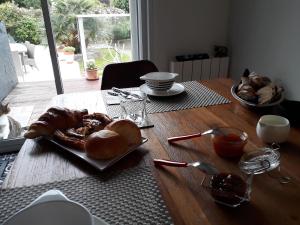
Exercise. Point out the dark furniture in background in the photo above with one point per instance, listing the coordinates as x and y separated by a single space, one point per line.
125 75
30 57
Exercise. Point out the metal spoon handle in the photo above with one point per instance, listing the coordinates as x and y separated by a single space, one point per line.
184 137
165 162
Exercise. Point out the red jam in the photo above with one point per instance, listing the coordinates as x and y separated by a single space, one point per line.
228 188
229 145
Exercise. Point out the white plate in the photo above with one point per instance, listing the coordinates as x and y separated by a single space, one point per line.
98 164
176 89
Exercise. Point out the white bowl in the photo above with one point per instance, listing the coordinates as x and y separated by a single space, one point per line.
161 86
159 80
41 211
59 212
159 76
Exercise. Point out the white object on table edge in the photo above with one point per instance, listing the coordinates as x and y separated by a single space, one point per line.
54 196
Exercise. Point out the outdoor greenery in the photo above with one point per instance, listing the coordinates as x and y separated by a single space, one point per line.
36 4
121 30
121 4
69 49
24 22
91 64
65 23
106 57
19 24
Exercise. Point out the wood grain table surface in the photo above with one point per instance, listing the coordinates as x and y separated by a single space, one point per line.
188 202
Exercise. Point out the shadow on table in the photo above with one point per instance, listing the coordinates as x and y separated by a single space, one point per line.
132 160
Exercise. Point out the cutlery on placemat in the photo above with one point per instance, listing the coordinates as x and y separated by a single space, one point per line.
127 93
203 166
112 93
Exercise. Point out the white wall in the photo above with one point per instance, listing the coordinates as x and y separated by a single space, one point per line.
265 37
185 27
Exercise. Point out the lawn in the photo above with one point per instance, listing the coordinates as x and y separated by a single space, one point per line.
106 58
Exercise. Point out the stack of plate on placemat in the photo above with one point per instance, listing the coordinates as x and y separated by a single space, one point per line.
161 84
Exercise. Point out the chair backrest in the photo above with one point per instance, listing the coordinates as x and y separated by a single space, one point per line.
30 49
125 75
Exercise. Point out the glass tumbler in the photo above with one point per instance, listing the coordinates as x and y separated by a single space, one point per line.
134 107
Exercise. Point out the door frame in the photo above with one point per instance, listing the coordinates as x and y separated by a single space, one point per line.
52 47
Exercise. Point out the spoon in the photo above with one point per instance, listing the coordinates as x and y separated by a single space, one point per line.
185 137
203 166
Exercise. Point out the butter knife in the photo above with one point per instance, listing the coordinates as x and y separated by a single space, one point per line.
127 93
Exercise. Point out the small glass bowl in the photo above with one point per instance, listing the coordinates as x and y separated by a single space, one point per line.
260 161
229 142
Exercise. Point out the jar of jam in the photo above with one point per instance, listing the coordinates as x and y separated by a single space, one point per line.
229 142
229 189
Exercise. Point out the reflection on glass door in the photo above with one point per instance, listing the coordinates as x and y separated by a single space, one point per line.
86 32
27 82
89 35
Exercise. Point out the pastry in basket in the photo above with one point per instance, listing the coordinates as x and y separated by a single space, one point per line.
116 139
258 89
55 118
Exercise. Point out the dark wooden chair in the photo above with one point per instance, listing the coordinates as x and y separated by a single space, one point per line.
125 75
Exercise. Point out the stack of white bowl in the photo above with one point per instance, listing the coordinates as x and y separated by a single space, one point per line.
159 81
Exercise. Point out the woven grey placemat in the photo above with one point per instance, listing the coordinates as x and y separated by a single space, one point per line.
127 197
195 95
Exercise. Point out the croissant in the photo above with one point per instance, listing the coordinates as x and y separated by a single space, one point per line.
266 94
70 141
54 119
258 81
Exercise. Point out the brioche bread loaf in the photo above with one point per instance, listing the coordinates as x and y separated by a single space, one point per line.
105 144
128 130
116 138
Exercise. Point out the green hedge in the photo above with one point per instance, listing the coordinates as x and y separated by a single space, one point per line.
121 30
21 26
36 4
121 4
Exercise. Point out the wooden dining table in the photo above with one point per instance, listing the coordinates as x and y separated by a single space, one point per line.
186 199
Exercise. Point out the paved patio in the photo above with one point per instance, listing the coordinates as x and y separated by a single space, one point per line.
32 98
44 71
36 88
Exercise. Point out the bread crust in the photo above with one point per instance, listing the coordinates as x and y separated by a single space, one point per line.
128 130
105 144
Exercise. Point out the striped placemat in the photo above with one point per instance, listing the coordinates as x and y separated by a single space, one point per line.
127 197
195 95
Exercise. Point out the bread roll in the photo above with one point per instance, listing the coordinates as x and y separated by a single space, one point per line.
128 130
105 144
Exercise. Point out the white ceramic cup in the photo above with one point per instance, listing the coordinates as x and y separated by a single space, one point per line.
273 129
